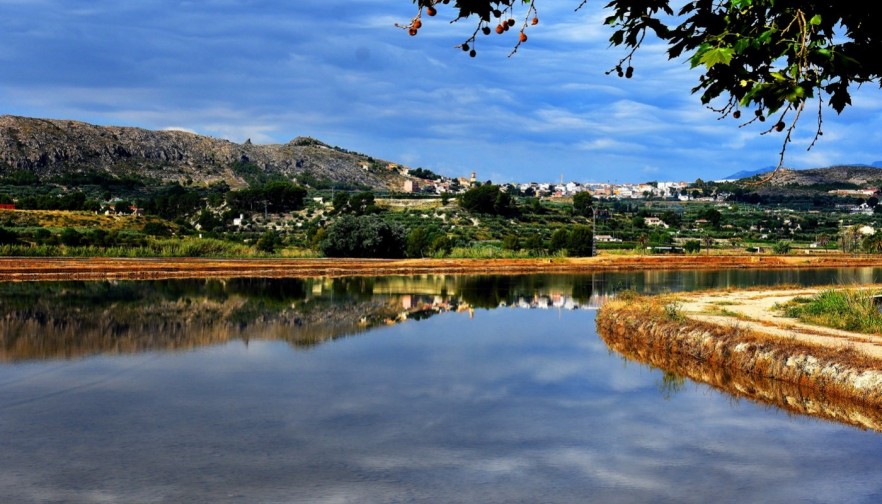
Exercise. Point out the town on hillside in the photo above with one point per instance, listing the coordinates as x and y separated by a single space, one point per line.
420 180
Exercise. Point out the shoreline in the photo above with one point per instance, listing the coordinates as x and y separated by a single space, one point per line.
99 268
738 332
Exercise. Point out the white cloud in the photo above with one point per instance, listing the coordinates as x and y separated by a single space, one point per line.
178 128
609 144
274 70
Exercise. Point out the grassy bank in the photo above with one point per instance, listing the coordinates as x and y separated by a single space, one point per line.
791 397
847 309
657 325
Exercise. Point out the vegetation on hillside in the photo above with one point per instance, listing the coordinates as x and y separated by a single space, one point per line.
128 214
285 219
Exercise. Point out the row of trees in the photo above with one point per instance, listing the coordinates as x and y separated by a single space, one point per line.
73 238
488 199
372 236
272 197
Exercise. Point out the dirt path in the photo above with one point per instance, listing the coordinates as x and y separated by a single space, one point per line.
755 310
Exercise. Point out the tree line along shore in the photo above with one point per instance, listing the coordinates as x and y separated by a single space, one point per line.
278 218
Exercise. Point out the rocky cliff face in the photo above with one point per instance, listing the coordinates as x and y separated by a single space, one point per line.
48 147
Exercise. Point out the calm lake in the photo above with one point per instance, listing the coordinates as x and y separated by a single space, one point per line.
393 389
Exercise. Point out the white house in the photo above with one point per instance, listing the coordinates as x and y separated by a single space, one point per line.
606 239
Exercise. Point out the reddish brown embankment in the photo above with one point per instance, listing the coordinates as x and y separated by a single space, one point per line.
835 384
36 268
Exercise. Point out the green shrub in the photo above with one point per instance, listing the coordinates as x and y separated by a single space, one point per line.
674 312
560 240
70 237
267 242
581 240
8 236
364 236
511 242
487 199
782 247
154 228
583 204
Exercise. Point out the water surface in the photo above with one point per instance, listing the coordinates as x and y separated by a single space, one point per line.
399 389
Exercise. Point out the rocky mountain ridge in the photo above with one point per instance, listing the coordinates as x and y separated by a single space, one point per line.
51 147
859 175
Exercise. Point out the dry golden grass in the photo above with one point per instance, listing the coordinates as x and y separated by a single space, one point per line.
98 268
58 219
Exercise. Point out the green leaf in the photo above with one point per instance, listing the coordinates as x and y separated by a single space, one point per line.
766 35
815 20
717 55
617 37
797 94
695 59
741 45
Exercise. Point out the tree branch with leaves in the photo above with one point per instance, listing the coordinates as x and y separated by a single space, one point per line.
762 60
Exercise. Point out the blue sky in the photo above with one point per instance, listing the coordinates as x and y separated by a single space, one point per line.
271 70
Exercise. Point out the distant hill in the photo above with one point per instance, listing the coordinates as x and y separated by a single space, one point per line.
815 181
748 173
752 173
48 147
834 175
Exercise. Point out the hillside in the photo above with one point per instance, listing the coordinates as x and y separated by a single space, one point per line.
857 175
49 148
812 182
748 173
